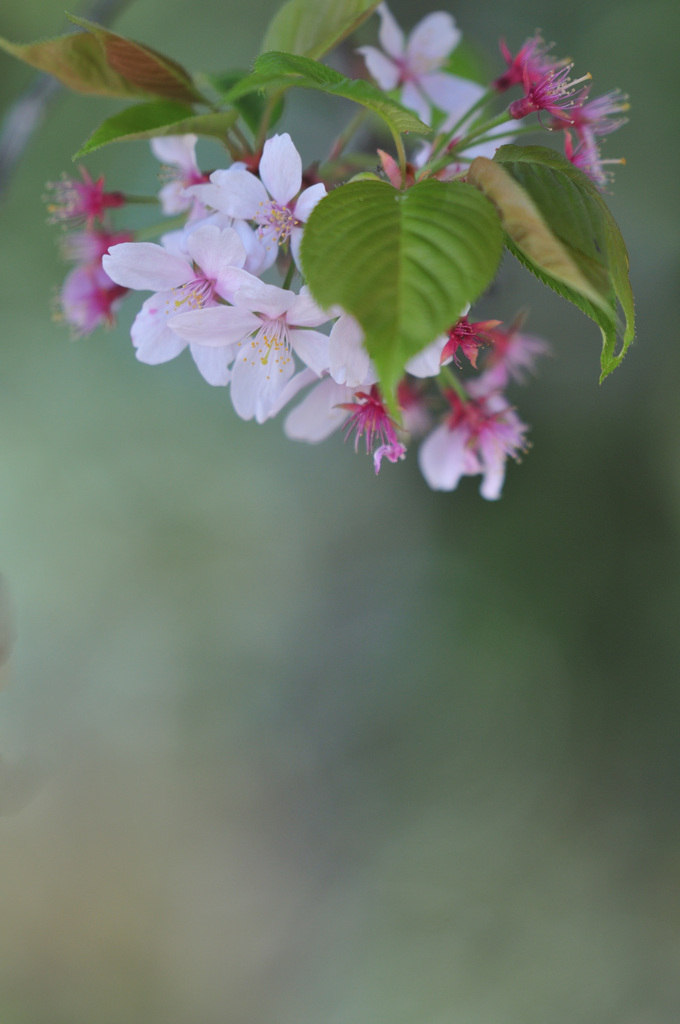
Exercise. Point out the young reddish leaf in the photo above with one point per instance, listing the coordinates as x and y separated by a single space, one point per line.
144 67
78 61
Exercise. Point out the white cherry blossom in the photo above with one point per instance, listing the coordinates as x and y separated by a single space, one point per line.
179 283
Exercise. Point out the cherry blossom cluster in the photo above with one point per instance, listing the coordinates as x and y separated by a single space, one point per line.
272 345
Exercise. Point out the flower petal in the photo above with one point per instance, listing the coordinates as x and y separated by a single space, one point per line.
350 363
443 458
176 150
215 326
146 266
213 363
412 97
281 168
431 41
151 336
390 34
319 413
236 192
312 348
259 376
381 68
308 200
452 94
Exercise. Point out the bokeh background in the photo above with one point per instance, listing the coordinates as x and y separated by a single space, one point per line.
284 743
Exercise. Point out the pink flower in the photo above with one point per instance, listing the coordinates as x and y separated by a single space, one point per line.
260 332
414 64
369 419
214 261
596 116
531 60
89 245
586 156
468 338
84 200
512 357
476 438
89 298
553 92
268 200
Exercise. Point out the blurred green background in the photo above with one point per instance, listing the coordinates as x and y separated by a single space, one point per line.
305 746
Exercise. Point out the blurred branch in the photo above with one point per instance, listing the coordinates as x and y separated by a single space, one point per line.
28 112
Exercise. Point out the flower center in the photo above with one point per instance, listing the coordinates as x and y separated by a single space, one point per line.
193 294
275 220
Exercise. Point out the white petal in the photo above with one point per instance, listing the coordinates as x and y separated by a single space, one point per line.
350 363
381 68
442 458
213 363
308 200
256 386
238 193
216 251
305 312
146 266
215 326
267 299
319 413
294 387
173 199
281 168
493 480
431 41
451 94
151 336
257 256
412 97
312 348
390 34
426 363
176 150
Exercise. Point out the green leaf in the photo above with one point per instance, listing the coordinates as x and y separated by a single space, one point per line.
313 27
405 264
310 74
149 120
559 226
142 66
251 105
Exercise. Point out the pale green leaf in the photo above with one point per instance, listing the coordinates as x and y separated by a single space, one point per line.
313 27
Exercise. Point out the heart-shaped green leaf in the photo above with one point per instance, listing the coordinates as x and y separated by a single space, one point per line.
404 263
